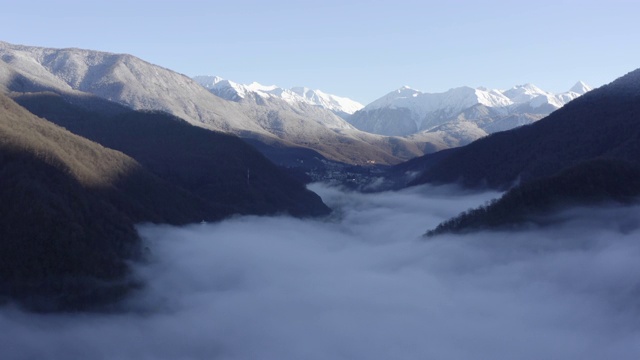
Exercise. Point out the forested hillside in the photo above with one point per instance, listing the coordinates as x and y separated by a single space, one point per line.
219 168
596 182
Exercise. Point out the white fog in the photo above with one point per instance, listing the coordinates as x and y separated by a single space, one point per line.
364 284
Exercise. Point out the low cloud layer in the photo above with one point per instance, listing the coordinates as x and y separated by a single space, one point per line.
364 285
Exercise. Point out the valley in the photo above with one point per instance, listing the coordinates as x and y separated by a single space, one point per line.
149 214
363 282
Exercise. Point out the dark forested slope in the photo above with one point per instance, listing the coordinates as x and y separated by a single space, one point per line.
219 168
535 202
67 209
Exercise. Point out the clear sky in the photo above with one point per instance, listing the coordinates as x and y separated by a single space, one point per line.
359 49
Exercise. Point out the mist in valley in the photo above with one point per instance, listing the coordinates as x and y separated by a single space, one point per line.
365 284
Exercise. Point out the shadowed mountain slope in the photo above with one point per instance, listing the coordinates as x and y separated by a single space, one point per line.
67 209
595 182
216 167
68 205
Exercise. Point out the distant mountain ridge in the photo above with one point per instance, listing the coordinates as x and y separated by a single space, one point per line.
140 85
278 99
230 90
584 154
277 120
406 111
604 122
444 120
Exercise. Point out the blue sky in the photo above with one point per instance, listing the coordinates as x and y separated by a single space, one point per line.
359 49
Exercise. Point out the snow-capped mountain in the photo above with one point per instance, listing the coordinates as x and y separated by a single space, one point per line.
233 91
340 105
536 98
580 88
453 100
401 125
407 111
135 83
273 97
121 78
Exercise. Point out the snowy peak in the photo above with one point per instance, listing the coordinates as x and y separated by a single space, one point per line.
524 93
534 97
464 97
225 89
257 87
580 88
312 105
406 111
457 99
208 81
230 90
334 103
452 100
397 98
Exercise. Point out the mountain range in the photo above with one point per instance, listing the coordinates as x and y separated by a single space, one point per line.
132 82
316 126
442 120
69 204
586 153
71 196
482 111
92 143
603 122
230 90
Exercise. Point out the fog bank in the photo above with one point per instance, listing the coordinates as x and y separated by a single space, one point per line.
363 284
